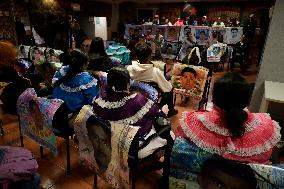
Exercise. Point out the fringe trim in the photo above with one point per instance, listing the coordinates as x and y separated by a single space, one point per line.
223 131
77 89
230 148
197 54
62 70
112 105
140 114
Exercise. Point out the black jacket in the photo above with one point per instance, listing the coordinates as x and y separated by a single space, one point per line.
102 63
17 85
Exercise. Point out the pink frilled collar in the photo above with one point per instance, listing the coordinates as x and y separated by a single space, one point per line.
208 131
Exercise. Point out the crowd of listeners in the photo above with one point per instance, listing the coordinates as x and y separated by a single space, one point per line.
229 130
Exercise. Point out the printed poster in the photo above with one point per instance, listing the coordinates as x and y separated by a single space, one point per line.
189 80
172 33
202 35
187 32
170 50
233 35
215 52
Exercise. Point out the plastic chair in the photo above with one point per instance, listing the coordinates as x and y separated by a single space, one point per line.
124 137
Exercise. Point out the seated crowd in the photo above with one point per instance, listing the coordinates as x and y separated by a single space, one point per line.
229 130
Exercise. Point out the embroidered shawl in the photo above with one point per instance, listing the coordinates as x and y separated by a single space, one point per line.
117 173
133 109
42 134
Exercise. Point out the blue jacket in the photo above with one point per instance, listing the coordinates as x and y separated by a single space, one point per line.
78 91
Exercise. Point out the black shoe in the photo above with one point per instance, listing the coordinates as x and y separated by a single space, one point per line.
172 112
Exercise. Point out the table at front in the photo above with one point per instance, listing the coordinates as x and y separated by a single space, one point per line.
273 92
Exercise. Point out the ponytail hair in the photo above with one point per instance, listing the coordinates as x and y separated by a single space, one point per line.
77 60
231 93
235 121
118 79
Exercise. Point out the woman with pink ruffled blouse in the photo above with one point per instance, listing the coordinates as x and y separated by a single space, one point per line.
229 130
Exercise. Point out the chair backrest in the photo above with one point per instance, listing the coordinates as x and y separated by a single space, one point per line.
36 115
186 84
190 163
104 146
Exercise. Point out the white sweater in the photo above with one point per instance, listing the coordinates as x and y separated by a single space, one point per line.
149 73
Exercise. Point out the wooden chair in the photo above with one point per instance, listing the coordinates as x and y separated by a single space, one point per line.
86 125
39 120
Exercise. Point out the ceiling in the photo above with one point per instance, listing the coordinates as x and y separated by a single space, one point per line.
177 1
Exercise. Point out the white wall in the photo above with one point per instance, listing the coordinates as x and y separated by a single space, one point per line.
272 63
101 27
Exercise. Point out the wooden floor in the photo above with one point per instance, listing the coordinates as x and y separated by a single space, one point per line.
52 169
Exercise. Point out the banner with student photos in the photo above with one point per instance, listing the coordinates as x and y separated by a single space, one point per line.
231 35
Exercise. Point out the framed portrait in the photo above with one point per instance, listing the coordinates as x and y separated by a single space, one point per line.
189 80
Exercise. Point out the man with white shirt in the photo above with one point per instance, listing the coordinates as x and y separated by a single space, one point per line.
144 70
218 23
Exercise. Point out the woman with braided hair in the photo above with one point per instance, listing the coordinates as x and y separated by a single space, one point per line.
229 130
73 85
